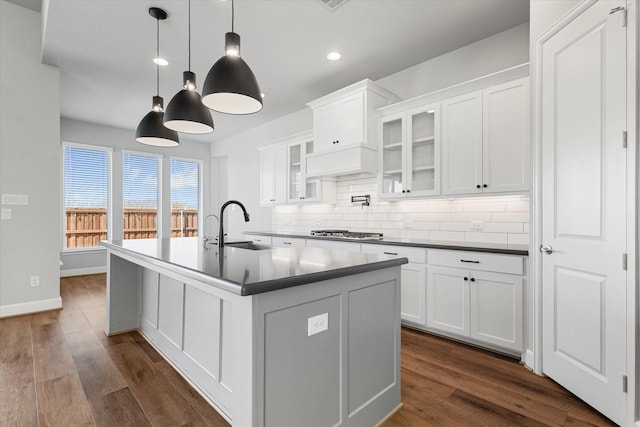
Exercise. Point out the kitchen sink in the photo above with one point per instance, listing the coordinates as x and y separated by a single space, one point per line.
247 245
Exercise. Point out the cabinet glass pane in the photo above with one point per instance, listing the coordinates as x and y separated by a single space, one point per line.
294 172
422 151
392 156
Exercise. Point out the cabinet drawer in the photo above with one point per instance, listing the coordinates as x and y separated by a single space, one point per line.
415 255
498 263
333 244
287 242
261 240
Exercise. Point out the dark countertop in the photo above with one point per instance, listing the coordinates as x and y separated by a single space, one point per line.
248 272
497 248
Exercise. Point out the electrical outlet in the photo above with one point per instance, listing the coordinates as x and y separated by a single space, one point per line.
6 214
476 225
408 225
35 281
317 324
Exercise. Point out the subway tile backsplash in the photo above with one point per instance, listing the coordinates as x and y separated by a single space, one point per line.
495 219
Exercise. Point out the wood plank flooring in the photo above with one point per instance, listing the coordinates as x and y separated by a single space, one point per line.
59 369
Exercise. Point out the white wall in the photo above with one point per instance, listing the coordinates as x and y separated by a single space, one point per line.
29 164
243 169
94 260
495 53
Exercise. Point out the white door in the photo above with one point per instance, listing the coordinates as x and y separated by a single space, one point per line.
583 208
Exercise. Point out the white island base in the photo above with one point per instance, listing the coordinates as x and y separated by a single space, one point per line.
255 357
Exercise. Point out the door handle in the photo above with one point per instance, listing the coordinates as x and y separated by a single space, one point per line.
547 249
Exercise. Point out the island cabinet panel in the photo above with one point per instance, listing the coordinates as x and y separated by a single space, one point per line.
150 297
372 339
346 375
202 329
170 309
296 366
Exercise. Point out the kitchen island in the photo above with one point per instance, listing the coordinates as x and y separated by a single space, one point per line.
269 336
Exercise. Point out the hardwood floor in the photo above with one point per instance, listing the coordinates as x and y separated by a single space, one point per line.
59 369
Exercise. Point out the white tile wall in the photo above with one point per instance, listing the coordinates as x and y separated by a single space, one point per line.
493 219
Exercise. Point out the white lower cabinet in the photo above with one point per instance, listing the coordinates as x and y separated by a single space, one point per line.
486 306
412 280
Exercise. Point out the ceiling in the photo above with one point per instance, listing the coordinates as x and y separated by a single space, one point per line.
104 48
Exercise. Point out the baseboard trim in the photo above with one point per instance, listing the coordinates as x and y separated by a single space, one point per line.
11 310
82 271
529 359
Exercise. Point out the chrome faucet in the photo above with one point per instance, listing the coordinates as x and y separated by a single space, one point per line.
207 238
221 219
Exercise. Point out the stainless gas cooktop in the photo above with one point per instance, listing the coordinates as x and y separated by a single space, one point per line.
346 234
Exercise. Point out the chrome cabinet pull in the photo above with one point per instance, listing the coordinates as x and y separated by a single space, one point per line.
391 253
471 261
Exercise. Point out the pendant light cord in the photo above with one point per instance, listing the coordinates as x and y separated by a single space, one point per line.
189 35
232 16
157 56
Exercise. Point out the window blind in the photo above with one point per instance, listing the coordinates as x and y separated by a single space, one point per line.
86 196
140 196
185 193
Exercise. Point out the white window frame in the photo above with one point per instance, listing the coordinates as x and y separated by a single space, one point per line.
63 216
200 188
160 158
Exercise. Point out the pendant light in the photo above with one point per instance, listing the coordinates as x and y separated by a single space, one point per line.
186 112
151 130
230 86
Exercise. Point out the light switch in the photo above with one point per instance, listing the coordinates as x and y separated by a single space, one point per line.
15 199
6 214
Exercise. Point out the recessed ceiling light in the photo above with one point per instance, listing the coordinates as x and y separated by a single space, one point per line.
333 56
161 61
262 95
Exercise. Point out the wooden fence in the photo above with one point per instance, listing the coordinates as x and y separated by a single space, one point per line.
85 227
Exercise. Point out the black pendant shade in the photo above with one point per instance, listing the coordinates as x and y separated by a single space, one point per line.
151 130
230 86
186 112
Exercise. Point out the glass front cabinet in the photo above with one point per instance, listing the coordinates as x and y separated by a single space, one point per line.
409 153
299 187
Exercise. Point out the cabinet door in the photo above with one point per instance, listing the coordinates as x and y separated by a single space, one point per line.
351 124
506 137
391 156
295 174
412 290
422 152
273 175
448 299
340 123
496 309
462 144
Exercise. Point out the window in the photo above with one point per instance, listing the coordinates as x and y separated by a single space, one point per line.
86 195
140 196
185 198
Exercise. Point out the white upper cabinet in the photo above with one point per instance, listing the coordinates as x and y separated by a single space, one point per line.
340 123
408 154
301 189
283 177
344 130
273 175
486 140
